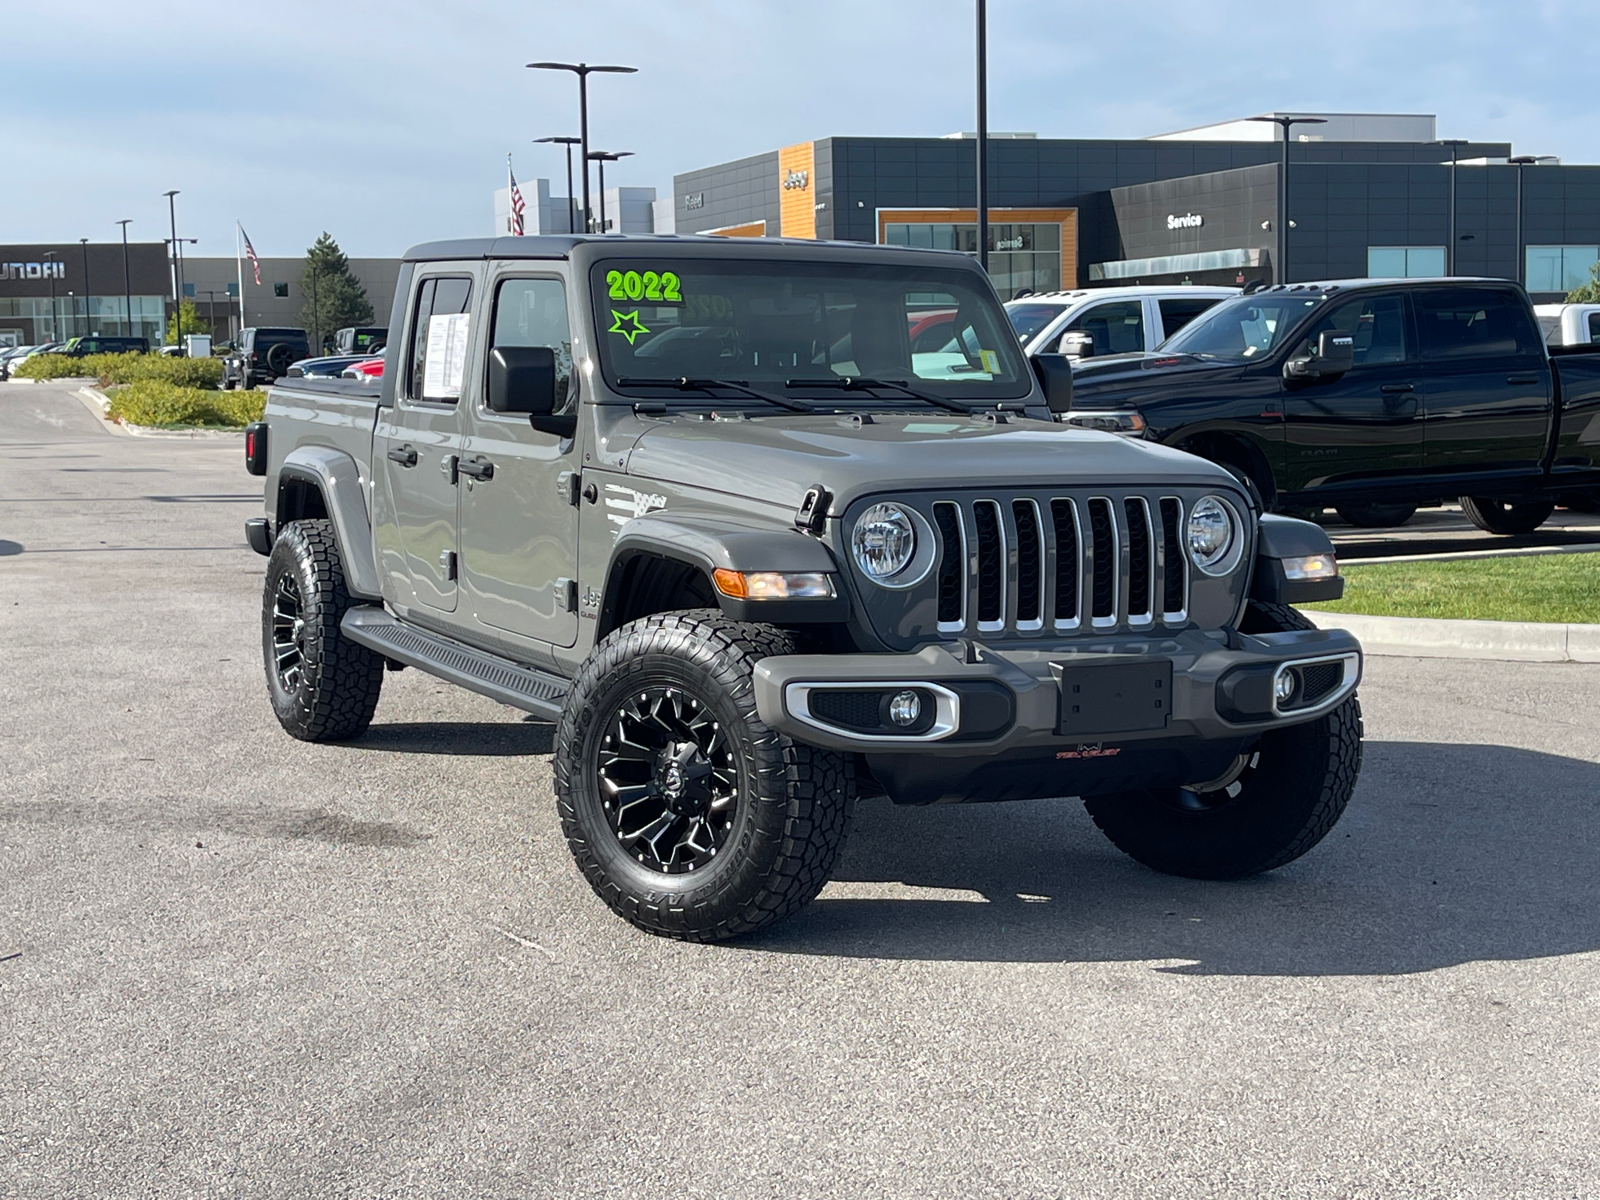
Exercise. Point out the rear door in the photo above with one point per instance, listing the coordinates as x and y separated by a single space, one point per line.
1488 381
1367 423
519 522
418 441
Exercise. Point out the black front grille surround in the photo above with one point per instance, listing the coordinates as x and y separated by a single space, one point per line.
1029 561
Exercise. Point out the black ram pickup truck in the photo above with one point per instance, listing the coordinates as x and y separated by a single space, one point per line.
1371 397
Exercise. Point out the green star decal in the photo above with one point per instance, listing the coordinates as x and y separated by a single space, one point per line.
632 330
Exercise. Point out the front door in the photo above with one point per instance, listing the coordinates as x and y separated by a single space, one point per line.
519 524
1488 382
1365 424
416 446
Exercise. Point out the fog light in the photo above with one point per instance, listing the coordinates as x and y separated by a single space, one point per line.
1283 686
905 707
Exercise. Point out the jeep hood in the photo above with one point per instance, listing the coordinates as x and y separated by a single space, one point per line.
776 459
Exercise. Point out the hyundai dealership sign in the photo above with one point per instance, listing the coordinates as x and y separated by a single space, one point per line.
33 270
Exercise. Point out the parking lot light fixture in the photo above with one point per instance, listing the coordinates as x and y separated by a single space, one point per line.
583 71
1455 145
983 135
127 286
172 212
84 242
568 143
48 256
1281 273
603 157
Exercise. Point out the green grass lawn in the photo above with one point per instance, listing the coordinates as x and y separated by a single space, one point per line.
1545 587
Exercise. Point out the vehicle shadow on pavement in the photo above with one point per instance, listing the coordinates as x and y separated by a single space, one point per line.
489 739
1447 854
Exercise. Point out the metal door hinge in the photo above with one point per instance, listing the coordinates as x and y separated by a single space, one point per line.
448 467
447 563
569 486
567 594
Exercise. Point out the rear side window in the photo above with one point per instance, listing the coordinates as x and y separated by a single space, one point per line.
437 353
1594 327
1458 323
1175 314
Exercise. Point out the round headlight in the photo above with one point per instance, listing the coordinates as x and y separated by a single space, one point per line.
883 541
1211 535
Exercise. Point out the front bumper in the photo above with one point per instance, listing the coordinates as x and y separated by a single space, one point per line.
1174 704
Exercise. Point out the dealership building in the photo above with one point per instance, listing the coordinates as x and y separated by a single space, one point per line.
1368 195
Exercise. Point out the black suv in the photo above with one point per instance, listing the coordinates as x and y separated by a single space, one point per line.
80 347
263 355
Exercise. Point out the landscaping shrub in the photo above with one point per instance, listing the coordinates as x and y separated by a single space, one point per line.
126 368
156 402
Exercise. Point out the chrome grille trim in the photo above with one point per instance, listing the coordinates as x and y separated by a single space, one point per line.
993 563
949 511
1067 565
1171 549
1141 576
1105 562
1030 544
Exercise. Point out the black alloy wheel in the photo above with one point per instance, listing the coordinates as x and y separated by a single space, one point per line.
669 779
288 633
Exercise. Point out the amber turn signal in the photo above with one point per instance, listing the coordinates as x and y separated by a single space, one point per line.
773 585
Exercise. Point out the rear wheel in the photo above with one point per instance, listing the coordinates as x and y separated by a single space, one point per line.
1494 515
689 816
1276 801
1376 516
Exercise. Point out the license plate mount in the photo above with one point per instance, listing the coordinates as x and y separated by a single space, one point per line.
1115 697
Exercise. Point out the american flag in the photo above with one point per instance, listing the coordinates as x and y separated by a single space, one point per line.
250 253
517 206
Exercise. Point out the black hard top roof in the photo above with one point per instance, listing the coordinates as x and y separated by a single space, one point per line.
562 246
1350 285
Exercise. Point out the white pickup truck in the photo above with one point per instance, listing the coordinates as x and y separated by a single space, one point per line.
1569 324
1093 322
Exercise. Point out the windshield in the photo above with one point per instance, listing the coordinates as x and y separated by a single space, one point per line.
1243 328
1028 319
776 324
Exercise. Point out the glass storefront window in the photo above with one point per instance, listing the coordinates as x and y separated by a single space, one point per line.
1022 256
1559 268
1405 262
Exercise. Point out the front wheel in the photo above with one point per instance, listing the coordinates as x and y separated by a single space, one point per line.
1493 515
688 816
1277 800
1376 516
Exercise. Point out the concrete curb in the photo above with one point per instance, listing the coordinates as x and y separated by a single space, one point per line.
97 402
1425 637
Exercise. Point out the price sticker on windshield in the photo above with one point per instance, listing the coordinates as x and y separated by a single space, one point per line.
658 287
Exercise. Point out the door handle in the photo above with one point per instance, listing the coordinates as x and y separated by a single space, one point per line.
406 456
1529 378
1397 387
476 468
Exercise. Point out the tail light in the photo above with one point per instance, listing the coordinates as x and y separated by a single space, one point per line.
255 448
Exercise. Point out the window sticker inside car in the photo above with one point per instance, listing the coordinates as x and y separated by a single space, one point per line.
627 324
660 287
446 360
990 361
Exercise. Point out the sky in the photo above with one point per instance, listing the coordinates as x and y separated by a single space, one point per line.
388 124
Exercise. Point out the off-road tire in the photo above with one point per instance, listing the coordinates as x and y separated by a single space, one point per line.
278 358
1376 516
1506 516
1291 793
334 693
794 801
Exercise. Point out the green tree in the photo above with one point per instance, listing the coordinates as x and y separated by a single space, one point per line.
1589 293
188 322
334 296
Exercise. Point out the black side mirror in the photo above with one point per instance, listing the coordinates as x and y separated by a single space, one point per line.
1077 344
1336 354
522 379
1055 377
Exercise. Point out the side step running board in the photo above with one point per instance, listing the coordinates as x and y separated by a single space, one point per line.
498 678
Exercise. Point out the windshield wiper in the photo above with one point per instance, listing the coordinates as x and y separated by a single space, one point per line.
686 384
851 383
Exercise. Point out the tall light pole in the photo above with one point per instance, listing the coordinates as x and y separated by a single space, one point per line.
569 143
1520 161
48 255
172 211
84 242
983 135
127 286
583 71
1282 271
1450 257
603 157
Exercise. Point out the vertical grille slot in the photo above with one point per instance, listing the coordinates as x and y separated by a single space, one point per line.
1140 560
991 565
1064 517
1103 554
1175 564
952 566
1030 564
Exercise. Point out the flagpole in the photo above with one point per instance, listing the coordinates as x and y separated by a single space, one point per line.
238 262
511 190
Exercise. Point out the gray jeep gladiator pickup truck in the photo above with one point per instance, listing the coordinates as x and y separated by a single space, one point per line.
698 502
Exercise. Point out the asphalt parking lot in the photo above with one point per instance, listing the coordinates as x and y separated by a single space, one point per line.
233 964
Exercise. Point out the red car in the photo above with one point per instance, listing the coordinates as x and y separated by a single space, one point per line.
367 368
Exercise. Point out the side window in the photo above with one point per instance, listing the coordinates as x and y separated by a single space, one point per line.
1594 327
1473 323
1117 328
1377 323
1175 314
533 312
439 331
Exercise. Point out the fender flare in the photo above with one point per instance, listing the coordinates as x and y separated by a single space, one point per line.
337 476
710 543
